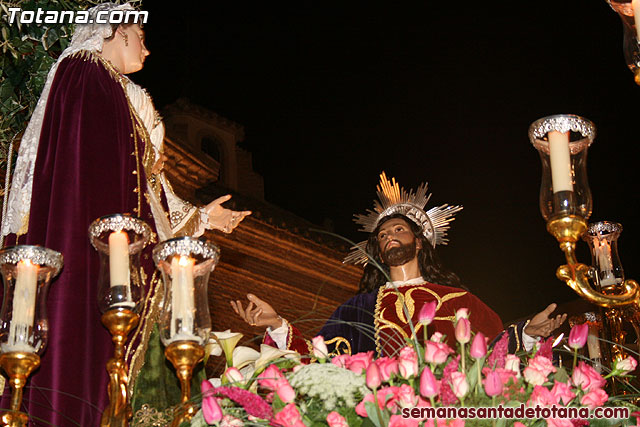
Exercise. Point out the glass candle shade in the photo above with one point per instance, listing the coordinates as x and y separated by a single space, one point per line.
119 240
185 264
602 238
26 273
562 142
629 12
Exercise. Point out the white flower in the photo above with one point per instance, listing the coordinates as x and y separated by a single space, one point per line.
269 354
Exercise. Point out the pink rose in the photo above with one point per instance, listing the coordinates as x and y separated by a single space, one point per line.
595 397
270 377
373 376
210 408
387 397
437 337
406 396
533 376
388 367
625 365
585 377
360 408
462 313
334 419
340 360
408 362
541 396
436 352
542 364
320 350
284 391
399 421
289 417
359 362
562 392
518 424
459 384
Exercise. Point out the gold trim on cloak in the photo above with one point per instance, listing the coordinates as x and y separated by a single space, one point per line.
405 299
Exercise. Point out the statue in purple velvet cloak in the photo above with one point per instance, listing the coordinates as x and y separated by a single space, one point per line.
93 148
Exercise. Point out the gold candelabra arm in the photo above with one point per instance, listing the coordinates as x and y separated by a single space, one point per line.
119 321
567 230
577 278
18 365
184 355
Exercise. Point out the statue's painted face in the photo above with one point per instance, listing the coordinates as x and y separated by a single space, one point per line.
397 243
133 51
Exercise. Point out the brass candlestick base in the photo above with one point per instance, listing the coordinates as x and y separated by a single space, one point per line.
184 355
119 321
567 230
18 365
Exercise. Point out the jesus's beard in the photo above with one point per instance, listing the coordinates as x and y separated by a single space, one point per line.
399 255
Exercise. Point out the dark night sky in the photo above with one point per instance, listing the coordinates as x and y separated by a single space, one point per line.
445 92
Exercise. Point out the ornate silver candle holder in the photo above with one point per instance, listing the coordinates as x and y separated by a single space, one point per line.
119 240
26 273
565 201
185 324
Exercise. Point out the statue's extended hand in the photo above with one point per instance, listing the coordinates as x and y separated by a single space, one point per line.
541 325
257 313
221 218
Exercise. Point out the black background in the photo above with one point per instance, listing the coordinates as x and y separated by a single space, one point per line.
331 95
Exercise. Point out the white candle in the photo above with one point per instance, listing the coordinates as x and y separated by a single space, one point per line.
182 298
119 259
603 254
560 161
24 307
635 4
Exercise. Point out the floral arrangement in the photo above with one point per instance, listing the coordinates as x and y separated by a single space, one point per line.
419 387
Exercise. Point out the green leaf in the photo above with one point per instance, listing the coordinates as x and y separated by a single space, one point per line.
561 375
372 413
472 373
